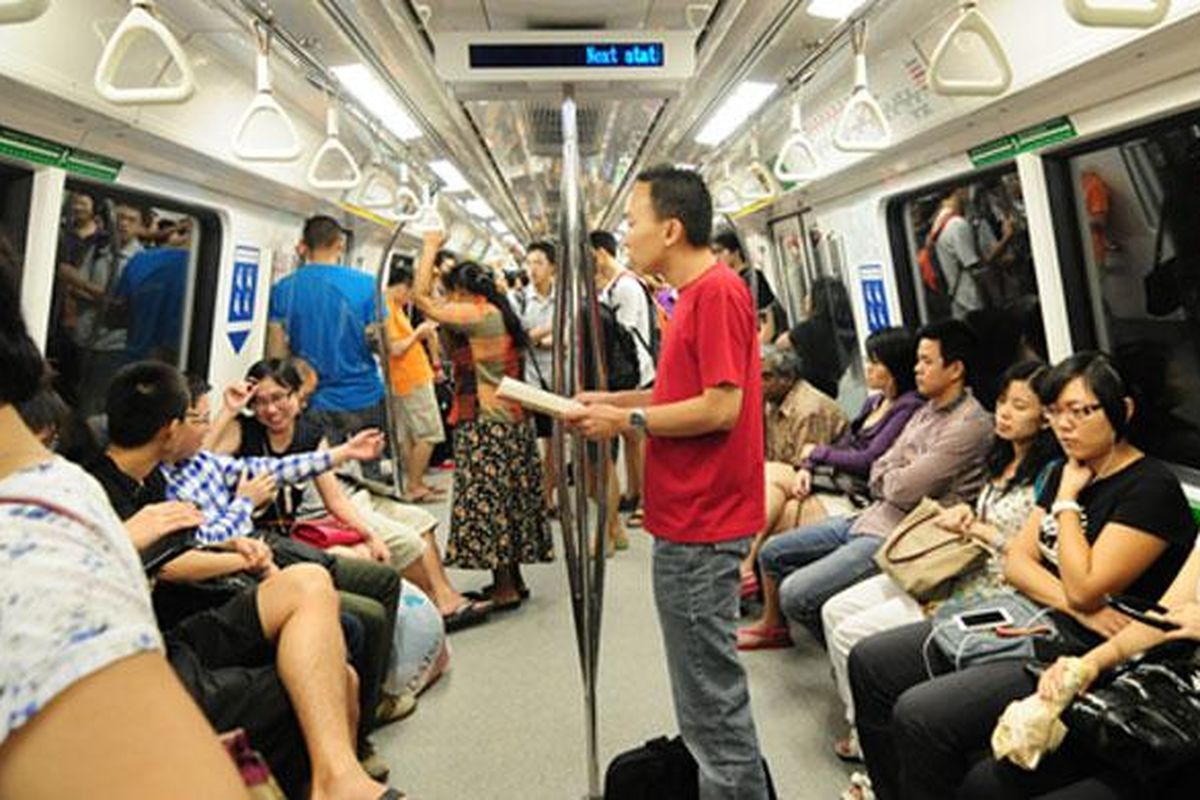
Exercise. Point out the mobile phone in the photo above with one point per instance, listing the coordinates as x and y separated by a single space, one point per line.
1136 608
167 549
983 619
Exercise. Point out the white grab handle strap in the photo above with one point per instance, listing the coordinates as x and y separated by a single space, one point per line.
797 161
1134 14
264 105
333 151
726 197
970 22
13 11
846 135
141 21
406 198
379 189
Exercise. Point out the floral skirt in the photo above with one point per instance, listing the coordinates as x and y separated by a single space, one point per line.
498 517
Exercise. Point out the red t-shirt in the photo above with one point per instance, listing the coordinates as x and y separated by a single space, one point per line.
709 488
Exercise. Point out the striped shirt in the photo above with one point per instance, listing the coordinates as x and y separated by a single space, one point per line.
482 352
210 482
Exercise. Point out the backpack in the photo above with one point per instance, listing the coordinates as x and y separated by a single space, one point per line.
619 351
656 315
931 271
661 769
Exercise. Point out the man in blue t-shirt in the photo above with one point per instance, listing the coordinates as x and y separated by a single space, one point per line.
154 284
322 313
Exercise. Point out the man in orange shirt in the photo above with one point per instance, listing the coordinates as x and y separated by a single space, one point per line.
415 404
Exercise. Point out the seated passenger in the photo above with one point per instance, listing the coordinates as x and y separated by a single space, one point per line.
45 414
1022 449
939 454
248 662
1110 520
226 493
81 660
402 534
791 499
824 339
1071 771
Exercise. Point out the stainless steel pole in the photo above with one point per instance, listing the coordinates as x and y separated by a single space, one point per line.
578 323
385 353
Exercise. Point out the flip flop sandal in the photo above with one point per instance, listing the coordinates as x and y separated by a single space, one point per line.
470 612
393 794
749 587
777 638
847 750
486 592
636 519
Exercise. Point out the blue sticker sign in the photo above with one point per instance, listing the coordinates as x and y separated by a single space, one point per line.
874 294
242 292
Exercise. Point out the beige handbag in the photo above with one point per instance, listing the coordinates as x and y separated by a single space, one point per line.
921 556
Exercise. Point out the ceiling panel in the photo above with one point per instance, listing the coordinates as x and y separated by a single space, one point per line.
466 15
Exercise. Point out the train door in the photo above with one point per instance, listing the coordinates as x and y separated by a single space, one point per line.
16 188
1127 213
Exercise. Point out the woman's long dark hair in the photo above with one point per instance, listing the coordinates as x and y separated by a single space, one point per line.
1045 447
472 278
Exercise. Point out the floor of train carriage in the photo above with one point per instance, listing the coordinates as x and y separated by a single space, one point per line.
507 720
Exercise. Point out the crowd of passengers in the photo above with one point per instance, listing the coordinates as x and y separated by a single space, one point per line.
1072 512
296 644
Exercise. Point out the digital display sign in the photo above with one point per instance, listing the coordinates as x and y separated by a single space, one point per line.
607 55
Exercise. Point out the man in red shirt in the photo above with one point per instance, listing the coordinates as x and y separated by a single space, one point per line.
704 471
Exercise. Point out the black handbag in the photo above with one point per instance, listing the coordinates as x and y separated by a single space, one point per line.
1147 718
828 480
661 769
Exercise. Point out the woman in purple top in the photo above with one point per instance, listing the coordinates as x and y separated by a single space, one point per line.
791 499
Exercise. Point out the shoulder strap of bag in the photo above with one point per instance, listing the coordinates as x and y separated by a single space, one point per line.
53 508
923 513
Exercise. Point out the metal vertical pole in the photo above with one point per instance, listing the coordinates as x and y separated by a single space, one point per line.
583 544
385 359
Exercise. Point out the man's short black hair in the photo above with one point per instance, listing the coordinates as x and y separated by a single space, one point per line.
956 341
443 256
545 248
400 274
727 239
322 231
44 410
603 240
197 387
681 194
143 398
20 361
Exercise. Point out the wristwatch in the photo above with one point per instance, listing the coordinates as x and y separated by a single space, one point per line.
637 419
1059 506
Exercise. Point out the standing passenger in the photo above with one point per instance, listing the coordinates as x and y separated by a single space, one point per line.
704 472
537 318
321 314
498 521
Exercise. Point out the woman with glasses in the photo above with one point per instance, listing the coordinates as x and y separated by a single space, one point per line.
1109 520
395 533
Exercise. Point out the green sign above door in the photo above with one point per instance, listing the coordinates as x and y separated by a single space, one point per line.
1023 141
27 147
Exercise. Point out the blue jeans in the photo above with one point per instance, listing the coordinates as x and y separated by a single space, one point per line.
696 592
813 563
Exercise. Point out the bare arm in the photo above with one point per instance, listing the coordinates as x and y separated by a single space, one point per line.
200 565
131 732
1023 567
277 341
715 410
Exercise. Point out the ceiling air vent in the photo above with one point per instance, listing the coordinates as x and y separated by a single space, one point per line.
545 130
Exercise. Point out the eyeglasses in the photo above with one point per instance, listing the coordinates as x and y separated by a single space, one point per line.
1076 414
266 401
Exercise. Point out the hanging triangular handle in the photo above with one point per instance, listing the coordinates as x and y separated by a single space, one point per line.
141 20
338 156
844 134
1133 14
970 21
13 11
379 190
727 199
797 149
264 105
407 198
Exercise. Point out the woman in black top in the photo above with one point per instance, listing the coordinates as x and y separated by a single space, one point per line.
1109 521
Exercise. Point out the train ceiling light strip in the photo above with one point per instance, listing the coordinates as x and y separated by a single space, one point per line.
15 11
861 102
1134 14
970 23
141 21
264 105
333 150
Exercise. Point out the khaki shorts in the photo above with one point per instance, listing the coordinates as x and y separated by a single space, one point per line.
400 526
417 416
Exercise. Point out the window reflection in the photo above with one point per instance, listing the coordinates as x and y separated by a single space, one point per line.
1137 208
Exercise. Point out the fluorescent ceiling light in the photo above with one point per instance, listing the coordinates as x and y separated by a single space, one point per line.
833 9
454 180
479 208
498 226
737 108
377 99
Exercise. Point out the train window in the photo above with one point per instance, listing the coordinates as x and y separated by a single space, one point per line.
1131 266
792 261
126 289
16 186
